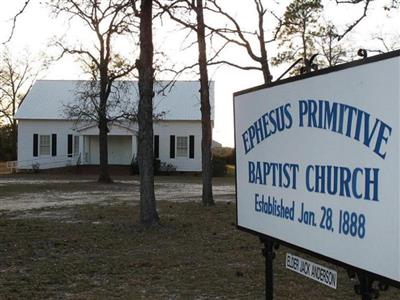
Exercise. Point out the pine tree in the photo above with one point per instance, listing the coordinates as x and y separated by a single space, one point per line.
301 25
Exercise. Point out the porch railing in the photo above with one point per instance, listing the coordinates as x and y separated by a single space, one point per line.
8 167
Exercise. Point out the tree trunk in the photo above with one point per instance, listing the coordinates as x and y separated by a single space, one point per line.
148 209
303 37
206 163
265 70
264 56
104 176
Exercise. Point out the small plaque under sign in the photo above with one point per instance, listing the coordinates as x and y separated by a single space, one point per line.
311 270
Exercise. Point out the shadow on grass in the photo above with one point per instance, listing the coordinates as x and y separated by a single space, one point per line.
100 252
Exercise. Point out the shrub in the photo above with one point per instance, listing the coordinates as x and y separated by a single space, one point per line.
219 167
226 153
35 167
156 166
167 169
231 157
6 143
135 166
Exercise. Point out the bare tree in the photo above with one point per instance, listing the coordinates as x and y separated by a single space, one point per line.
206 156
385 44
148 210
121 104
106 21
253 41
365 6
17 76
176 10
99 64
14 20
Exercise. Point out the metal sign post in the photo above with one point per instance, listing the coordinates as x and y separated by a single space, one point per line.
269 254
365 287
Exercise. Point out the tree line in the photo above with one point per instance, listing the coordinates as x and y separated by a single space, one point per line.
297 34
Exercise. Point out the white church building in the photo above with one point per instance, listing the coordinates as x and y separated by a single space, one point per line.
48 138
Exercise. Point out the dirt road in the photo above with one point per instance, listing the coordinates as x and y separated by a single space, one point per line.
18 193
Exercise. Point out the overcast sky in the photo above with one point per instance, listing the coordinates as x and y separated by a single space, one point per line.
35 30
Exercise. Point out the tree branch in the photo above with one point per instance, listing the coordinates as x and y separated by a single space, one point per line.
14 21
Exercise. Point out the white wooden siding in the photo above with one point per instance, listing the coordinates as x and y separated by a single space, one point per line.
26 129
179 128
120 143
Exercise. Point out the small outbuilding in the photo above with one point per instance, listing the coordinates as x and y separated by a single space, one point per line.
48 137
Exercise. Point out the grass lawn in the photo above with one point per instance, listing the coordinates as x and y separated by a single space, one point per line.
97 251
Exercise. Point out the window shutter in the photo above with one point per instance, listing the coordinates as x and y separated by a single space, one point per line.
171 146
156 146
54 144
191 146
35 144
69 147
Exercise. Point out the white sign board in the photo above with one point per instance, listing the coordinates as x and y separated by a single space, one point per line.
318 163
311 270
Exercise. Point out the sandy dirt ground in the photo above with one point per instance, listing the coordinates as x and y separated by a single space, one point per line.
25 193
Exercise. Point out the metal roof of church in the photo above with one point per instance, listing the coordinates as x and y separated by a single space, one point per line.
47 99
